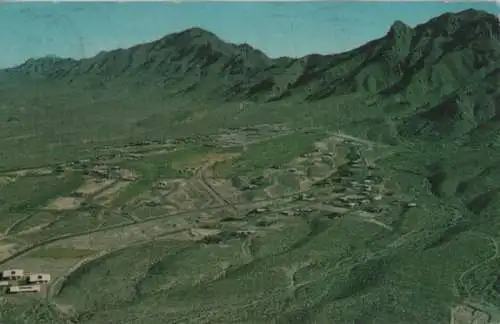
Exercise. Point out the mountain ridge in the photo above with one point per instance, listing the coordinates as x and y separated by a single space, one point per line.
195 50
411 69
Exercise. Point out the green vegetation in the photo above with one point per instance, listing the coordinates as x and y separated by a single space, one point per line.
163 166
32 311
61 253
35 219
156 167
200 250
29 193
274 152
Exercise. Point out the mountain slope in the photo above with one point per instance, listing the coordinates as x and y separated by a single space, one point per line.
187 58
439 55
436 81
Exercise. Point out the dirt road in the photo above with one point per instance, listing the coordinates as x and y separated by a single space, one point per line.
201 175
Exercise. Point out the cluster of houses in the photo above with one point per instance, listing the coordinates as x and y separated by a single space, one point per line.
19 281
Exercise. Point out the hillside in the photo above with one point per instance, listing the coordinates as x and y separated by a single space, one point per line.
417 74
191 180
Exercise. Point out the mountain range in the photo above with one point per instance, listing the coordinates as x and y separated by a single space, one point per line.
438 80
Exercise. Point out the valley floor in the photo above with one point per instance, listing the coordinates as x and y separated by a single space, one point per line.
323 231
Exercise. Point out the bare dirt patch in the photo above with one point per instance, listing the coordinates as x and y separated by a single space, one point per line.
192 194
65 309
465 314
305 184
329 144
188 198
174 194
35 171
194 234
201 159
166 187
108 195
32 229
170 208
318 171
273 191
158 152
121 237
127 175
4 180
65 203
6 249
225 188
41 171
92 186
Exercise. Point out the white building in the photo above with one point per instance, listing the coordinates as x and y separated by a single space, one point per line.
21 289
13 274
39 278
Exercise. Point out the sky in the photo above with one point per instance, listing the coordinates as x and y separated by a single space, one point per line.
83 29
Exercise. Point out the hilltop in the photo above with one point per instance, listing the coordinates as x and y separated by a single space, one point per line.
190 179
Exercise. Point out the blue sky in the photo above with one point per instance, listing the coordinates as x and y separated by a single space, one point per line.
72 29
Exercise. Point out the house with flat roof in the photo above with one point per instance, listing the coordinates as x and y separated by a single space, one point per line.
38 278
24 288
13 274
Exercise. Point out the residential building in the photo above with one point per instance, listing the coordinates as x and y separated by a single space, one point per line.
26 288
39 278
13 274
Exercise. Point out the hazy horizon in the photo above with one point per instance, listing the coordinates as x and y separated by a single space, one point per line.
79 30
